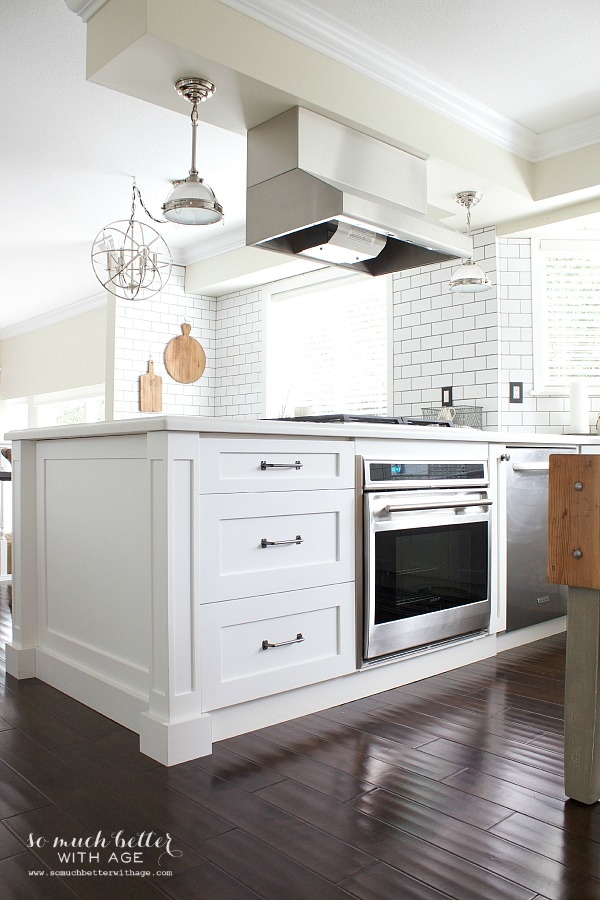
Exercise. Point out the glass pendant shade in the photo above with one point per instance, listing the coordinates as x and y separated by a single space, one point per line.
469 278
192 202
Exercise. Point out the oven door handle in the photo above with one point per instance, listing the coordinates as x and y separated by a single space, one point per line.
455 504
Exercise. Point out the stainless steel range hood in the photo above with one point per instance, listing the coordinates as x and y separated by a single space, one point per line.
319 189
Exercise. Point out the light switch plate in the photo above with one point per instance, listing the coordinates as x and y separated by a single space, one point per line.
446 396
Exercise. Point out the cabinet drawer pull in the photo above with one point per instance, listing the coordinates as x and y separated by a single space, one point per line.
297 640
266 465
265 543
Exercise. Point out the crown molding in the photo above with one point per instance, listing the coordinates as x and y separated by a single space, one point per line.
52 318
85 9
327 35
570 137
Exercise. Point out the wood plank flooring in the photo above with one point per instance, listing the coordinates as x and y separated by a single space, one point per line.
450 787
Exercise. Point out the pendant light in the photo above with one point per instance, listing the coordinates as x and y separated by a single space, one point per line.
192 201
130 259
469 278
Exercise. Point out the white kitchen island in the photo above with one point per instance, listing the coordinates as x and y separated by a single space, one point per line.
146 586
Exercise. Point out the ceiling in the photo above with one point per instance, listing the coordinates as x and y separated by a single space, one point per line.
522 74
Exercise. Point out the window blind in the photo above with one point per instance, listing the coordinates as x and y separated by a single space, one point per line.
571 283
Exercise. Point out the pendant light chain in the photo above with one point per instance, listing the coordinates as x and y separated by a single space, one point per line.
136 191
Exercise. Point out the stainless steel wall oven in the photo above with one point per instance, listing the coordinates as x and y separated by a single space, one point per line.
426 533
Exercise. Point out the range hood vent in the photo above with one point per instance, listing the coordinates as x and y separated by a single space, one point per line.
319 189
337 243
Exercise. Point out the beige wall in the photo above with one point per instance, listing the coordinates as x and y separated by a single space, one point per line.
58 357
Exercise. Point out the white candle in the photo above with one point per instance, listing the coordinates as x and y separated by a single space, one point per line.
579 418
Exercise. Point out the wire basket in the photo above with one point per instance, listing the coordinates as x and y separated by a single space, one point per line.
464 416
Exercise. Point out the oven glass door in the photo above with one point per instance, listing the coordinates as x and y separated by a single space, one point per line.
427 575
422 570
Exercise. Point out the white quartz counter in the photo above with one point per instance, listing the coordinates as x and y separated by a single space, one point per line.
279 428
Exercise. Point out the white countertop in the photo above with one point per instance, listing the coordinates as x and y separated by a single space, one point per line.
277 428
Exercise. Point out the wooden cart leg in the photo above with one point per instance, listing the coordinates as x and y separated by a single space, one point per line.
582 696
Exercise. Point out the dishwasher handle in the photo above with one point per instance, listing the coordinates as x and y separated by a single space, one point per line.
533 467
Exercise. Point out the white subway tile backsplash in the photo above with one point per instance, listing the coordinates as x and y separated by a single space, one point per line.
411 346
421 356
420 278
475 343
462 351
422 332
518 291
441 353
452 339
452 365
408 320
431 342
431 315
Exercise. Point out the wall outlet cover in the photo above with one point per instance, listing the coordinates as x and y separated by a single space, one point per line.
446 396
515 392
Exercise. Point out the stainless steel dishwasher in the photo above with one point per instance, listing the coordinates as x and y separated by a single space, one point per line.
530 597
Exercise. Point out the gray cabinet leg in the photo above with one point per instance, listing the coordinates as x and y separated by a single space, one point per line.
582 696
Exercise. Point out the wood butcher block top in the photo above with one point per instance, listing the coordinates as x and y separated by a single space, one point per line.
574 520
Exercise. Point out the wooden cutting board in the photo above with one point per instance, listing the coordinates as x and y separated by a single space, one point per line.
150 390
185 359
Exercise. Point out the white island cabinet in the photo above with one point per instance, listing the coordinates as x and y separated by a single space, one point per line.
155 579
194 578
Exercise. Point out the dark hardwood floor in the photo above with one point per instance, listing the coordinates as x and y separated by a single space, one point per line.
450 787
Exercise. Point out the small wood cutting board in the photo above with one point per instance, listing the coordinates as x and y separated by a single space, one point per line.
185 359
150 390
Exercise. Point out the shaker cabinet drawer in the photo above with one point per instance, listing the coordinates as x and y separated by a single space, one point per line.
264 645
254 544
240 464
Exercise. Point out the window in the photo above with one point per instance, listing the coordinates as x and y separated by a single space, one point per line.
70 407
69 412
327 346
567 314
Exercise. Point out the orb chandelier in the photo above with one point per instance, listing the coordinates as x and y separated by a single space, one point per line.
192 201
469 278
130 259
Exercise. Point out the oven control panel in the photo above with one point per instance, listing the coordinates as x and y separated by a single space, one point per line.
382 474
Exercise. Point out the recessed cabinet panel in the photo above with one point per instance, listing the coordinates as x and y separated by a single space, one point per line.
257 544
240 464
263 645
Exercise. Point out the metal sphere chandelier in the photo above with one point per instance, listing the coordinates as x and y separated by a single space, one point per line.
469 278
130 259
192 201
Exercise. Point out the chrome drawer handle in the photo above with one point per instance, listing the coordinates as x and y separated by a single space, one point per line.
266 465
265 543
297 640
